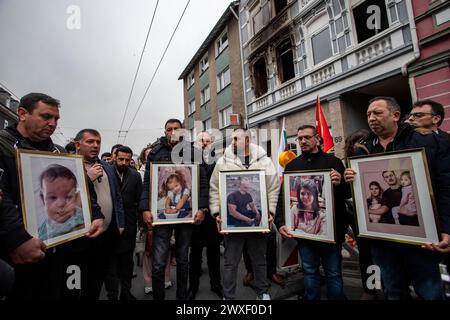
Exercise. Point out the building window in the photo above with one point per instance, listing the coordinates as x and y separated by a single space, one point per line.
191 79
224 116
260 15
301 54
204 65
292 143
5 124
280 5
260 77
321 46
191 107
366 24
204 96
285 61
222 43
207 124
223 79
339 26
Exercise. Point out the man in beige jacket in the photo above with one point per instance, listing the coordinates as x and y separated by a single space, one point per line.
243 155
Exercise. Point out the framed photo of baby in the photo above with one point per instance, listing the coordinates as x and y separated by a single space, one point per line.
394 197
54 196
243 201
174 193
309 205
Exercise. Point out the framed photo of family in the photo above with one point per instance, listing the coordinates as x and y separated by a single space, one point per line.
243 201
394 198
309 205
54 196
173 193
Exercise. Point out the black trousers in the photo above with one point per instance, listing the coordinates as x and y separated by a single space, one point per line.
99 253
205 235
271 255
119 273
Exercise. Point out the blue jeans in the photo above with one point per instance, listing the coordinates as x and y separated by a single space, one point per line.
161 251
312 254
400 263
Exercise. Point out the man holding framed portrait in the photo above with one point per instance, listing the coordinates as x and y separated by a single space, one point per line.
398 259
240 167
317 243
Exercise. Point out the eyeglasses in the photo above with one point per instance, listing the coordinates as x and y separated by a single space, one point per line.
305 194
304 137
420 114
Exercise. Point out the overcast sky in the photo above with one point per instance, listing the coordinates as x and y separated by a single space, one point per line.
91 69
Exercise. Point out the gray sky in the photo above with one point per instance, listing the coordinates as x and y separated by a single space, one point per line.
91 69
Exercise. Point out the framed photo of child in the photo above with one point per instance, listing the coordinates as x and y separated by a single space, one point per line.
174 192
54 196
243 201
309 205
393 197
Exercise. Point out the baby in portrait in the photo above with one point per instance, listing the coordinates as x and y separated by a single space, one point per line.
59 195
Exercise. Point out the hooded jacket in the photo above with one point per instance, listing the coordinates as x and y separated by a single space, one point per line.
230 161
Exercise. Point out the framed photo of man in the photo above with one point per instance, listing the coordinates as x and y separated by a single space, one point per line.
54 196
309 205
173 193
243 201
393 197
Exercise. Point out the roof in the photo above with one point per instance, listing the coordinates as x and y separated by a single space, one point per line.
215 32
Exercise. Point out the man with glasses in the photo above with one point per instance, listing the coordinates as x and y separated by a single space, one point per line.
164 150
313 252
401 262
428 114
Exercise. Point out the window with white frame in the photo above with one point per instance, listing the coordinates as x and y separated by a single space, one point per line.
204 64
365 24
397 10
224 116
207 124
191 106
222 43
191 79
301 53
205 95
260 15
223 79
339 26
292 143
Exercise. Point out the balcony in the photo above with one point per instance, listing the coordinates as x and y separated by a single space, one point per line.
355 57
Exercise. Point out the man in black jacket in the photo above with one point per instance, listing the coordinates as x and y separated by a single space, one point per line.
395 259
121 265
205 234
169 148
39 273
313 252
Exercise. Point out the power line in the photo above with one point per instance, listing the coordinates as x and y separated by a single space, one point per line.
157 68
137 70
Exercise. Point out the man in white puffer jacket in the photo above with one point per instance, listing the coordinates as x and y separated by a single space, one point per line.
244 155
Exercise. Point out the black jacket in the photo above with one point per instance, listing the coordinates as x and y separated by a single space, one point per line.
320 161
130 189
437 150
161 152
12 231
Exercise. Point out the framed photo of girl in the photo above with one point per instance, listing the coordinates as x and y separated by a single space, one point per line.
54 196
309 205
243 201
388 203
173 193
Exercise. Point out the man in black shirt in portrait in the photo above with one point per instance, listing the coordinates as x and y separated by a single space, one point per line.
241 209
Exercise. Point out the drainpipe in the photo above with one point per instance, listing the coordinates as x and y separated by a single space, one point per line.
416 51
242 63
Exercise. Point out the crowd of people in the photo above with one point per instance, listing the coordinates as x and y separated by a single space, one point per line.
119 194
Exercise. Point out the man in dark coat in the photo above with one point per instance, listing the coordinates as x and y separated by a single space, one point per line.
39 273
121 265
396 260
